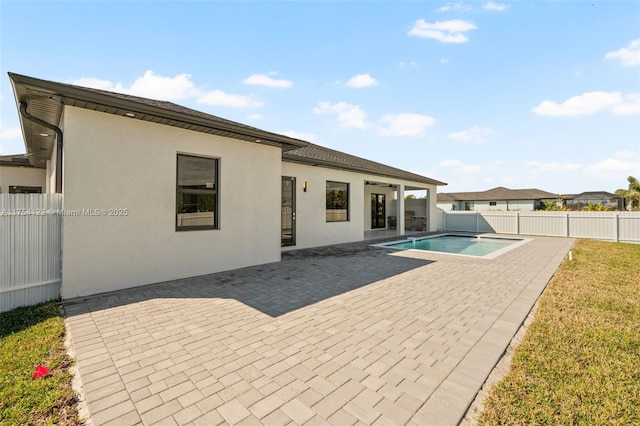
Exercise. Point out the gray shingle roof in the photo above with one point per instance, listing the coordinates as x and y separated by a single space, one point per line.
16 160
46 98
497 194
603 194
320 156
53 94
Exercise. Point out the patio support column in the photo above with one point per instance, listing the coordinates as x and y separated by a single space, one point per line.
400 212
426 226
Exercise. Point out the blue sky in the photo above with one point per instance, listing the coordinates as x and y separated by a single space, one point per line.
477 94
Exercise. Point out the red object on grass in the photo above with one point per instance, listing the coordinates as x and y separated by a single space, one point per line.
41 371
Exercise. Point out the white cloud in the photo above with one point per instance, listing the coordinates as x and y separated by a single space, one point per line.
255 117
496 7
149 85
457 7
623 164
220 98
96 83
460 167
348 115
629 106
585 104
180 86
362 80
627 155
10 139
552 167
474 134
158 87
444 31
309 137
9 133
629 56
406 124
451 163
615 166
266 81
445 60
407 64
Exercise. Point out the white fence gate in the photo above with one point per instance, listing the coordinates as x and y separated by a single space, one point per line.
612 226
30 258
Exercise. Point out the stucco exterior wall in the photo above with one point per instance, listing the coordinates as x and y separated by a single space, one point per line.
21 176
113 162
312 229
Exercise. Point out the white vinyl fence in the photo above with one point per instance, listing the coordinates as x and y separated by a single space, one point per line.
30 262
612 226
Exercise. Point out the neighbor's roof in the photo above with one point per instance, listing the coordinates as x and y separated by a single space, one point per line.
317 155
45 100
16 160
497 194
595 194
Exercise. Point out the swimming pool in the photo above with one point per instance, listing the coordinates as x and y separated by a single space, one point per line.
464 245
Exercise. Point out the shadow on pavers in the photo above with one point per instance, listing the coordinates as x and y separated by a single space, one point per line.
301 278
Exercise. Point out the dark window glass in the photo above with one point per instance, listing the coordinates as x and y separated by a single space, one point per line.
196 193
337 201
492 203
25 189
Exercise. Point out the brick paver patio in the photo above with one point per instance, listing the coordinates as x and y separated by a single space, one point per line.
341 335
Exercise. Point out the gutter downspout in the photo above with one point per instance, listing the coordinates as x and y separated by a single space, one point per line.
25 114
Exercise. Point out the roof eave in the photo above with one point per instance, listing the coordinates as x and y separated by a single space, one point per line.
76 96
330 165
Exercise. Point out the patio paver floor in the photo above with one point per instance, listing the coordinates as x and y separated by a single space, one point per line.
340 335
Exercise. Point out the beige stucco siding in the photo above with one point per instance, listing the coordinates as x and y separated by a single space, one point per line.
21 176
115 162
312 229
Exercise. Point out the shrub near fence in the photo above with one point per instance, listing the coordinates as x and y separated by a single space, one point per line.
612 226
30 262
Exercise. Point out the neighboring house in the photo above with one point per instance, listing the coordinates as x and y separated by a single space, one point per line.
18 176
153 191
499 198
603 198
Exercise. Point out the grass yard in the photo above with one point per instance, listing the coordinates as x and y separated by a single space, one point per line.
579 362
30 337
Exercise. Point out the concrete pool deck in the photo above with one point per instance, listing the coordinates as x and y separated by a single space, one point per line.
340 335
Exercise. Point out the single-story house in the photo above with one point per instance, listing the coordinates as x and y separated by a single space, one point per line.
499 198
18 176
153 191
603 198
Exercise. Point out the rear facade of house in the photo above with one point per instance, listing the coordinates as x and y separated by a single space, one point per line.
153 191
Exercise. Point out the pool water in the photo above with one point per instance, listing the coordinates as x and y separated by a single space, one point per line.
457 244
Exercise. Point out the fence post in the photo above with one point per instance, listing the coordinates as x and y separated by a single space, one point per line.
517 223
617 219
566 234
477 221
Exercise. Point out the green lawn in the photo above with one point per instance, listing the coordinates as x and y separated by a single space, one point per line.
579 362
30 337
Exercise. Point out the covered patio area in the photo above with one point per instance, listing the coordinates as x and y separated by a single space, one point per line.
395 209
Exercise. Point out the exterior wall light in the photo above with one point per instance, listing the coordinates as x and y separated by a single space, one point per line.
304 186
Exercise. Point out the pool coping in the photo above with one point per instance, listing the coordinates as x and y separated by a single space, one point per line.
494 254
